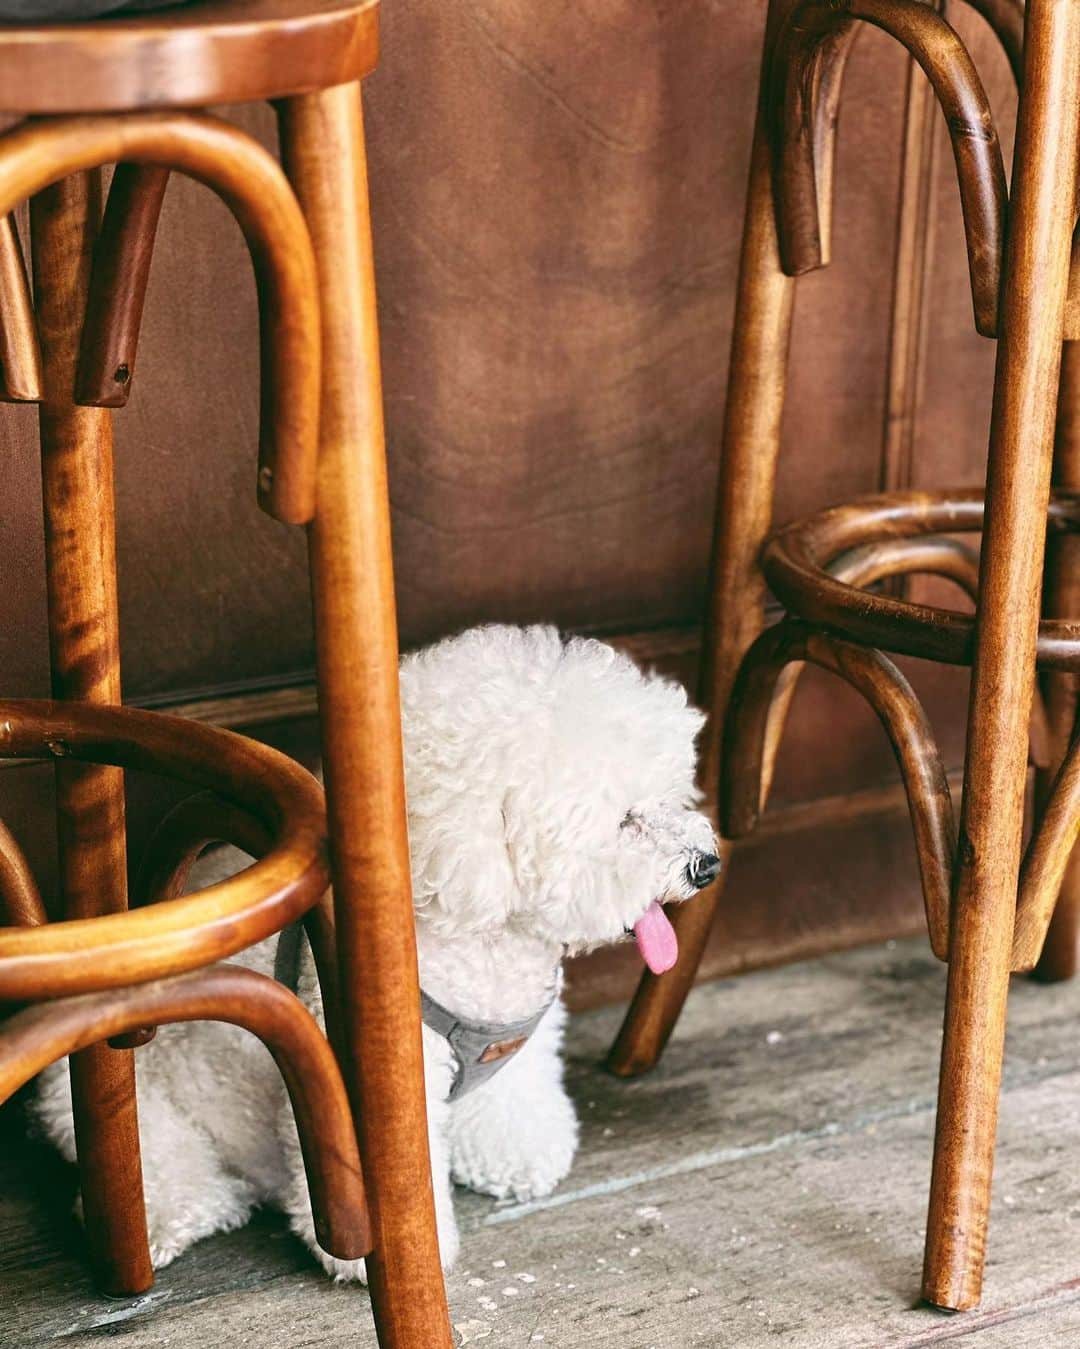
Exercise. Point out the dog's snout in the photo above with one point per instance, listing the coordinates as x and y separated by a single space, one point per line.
703 869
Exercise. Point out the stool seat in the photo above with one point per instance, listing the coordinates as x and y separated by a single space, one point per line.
226 51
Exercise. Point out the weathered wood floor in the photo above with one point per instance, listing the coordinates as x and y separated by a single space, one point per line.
767 1185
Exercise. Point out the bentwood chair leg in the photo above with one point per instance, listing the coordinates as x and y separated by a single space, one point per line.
1042 215
751 443
1061 599
80 556
356 635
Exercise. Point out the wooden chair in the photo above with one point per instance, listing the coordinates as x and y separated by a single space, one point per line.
988 908
127 91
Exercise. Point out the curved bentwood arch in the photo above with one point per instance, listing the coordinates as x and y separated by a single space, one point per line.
251 183
21 904
803 93
20 356
268 805
177 935
184 834
39 1035
749 739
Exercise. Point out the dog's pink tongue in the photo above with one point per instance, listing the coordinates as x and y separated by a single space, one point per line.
656 939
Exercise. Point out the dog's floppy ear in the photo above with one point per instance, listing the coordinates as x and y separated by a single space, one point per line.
463 876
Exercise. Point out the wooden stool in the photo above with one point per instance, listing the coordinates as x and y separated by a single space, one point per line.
985 914
114 92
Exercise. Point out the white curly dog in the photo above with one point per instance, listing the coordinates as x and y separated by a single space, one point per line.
551 794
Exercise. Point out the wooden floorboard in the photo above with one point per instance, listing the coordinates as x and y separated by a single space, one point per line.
766 1185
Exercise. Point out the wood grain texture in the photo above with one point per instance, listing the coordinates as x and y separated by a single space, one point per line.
20 359
1042 216
750 720
118 281
555 377
250 182
809 55
911 270
1061 596
971 903
21 904
323 151
226 51
101 950
37 1036
736 595
797 561
84 648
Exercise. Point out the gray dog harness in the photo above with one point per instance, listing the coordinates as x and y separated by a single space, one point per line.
481 1048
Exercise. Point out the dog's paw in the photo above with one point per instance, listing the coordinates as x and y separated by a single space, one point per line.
514 1144
524 1161
518 1180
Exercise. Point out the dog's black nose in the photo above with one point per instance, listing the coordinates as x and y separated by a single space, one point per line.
703 869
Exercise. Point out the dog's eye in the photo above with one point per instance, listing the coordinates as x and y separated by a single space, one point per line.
631 820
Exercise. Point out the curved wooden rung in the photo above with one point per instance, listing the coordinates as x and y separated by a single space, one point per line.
796 560
747 733
68 957
118 281
951 559
173 849
193 825
37 1036
184 834
955 561
20 354
803 93
21 904
252 184
1045 862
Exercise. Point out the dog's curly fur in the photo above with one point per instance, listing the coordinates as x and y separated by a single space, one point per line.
551 800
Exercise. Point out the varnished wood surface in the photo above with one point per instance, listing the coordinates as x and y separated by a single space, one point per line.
322 462
616 390
37 1036
815 36
322 141
250 182
970 880
181 838
744 770
20 899
118 281
20 359
224 51
736 594
84 648
1061 595
180 934
1042 217
796 560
